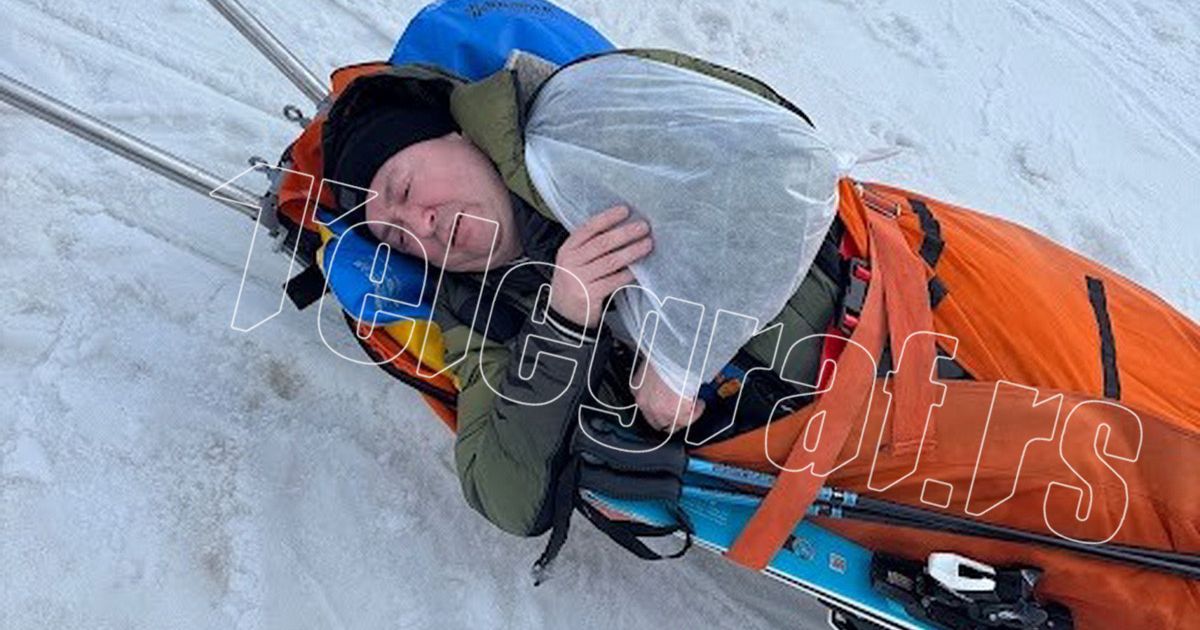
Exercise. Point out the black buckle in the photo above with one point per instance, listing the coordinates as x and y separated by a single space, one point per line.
306 287
850 310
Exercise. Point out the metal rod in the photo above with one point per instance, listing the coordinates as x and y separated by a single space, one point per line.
108 137
274 50
837 503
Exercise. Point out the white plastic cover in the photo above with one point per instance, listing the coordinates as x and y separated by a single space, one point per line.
739 193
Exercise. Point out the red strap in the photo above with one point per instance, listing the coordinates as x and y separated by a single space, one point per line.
891 306
835 342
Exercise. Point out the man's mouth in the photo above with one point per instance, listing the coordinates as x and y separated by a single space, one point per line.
454 230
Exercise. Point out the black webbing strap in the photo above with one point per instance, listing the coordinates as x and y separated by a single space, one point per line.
931 248
931 244
654 475
566 491
1108 346
937 291
306 287
628 534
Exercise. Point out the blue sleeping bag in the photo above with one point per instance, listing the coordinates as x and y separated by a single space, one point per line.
471 38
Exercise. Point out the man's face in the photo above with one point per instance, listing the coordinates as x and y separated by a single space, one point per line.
447 195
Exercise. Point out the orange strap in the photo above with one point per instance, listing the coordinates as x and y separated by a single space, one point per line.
893 269
906 298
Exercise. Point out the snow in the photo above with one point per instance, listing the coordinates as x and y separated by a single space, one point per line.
161 470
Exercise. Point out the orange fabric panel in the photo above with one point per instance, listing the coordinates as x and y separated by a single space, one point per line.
295 188
1018 303
345 75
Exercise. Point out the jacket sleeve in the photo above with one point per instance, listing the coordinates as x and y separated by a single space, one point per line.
510 446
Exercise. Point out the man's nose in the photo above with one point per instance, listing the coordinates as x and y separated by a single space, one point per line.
424 221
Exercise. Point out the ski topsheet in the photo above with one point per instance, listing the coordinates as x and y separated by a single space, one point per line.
817 561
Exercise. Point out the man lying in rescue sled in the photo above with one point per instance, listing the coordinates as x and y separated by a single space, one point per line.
703 185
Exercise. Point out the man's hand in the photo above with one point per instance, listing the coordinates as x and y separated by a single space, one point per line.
598 254
659 403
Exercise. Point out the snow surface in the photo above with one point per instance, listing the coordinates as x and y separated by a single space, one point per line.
160 470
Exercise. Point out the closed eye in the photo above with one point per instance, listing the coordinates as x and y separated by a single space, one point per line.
395 237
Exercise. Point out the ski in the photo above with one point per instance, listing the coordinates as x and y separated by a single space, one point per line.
863 589
835 570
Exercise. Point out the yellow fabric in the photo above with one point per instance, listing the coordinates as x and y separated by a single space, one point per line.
326 235
404 332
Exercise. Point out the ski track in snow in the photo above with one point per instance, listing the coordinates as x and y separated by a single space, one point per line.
159 470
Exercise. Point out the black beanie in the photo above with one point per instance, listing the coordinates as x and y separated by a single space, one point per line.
375 117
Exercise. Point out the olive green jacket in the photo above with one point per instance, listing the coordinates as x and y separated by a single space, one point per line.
508 450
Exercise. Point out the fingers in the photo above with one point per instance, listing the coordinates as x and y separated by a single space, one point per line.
613 239
697 411
656 423
603 233
661 407
607 285
596 225
619 259
688 415
689 412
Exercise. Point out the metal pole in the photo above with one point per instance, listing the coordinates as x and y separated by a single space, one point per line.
108 137
272 48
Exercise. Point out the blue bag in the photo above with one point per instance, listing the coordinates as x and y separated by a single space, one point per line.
472 38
